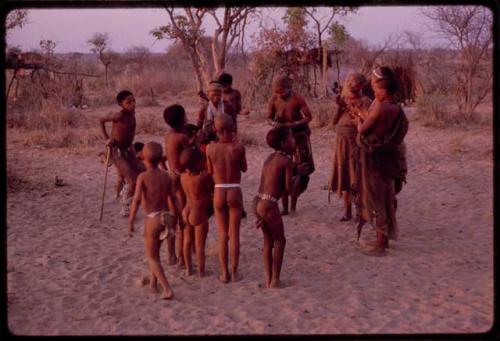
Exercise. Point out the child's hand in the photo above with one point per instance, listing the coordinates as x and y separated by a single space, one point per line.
110 142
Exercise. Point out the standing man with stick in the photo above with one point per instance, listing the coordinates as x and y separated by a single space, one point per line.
122 152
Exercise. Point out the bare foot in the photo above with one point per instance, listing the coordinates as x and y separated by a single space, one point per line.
224 278
180 265
201 274
375 243
188 272
235 277
153 288
276 284
167 294
345 218
374 251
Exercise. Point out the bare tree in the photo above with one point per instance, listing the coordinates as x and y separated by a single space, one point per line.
187 29
229 28
323 19
468 29
185 25
99 44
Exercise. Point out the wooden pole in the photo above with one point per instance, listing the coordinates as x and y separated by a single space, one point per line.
108 153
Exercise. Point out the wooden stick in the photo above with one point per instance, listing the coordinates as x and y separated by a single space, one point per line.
108 153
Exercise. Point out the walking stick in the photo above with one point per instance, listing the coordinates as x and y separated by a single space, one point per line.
108 152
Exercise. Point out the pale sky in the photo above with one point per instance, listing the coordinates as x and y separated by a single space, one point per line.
71 28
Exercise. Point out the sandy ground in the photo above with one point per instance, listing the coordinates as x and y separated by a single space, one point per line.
68 273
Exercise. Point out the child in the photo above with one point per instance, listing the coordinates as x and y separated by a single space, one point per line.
120 182
208 112
176 141
120 142
276 172
153 189
226 160
232 98
198 187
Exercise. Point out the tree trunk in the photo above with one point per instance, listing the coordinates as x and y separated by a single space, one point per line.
325 69
106 73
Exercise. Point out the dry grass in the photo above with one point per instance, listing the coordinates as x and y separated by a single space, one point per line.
150 123
322 111
16 181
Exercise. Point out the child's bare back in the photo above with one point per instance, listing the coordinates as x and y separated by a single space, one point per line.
226 160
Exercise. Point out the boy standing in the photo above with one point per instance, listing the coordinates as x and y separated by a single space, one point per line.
276 172
226 160
120 142
176 141
232 98
198 187
152 191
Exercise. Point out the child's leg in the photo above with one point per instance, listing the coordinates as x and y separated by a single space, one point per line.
284 201
152 246
171 236
235 203
188 241
295 193
221 221
152 281
347 206
200 235
179 233
275 225
267 253
119 185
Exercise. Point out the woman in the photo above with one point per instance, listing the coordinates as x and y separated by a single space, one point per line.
349 103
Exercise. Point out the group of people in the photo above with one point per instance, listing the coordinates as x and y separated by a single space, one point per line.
198 172
369 164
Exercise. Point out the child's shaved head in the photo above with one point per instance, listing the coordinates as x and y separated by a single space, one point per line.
153 152
223 123
174 115
276 136
191 159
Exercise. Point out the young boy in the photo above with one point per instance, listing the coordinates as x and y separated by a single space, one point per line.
176 141
232 98
226 160
276 172
198 187
120 142
153 189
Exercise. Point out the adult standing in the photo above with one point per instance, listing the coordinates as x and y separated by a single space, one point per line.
344 163
382 158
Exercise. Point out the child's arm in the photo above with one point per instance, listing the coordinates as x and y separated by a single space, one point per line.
210 167
108 118
238 102
243 166
177 205
135 204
